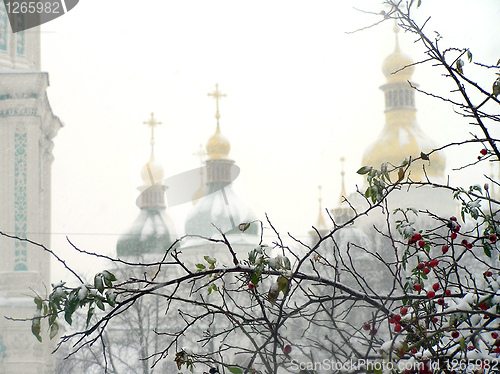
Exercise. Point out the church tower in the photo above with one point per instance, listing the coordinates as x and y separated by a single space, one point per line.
220 207
27 127
153 231
401 136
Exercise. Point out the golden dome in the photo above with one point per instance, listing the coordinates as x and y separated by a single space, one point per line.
152 173
396 61
218 146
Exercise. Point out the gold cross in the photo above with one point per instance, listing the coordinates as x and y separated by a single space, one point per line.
152 122
217 95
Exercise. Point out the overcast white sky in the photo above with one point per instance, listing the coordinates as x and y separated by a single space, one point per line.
301 93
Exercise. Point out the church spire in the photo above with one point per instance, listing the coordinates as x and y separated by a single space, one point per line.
342 182
153 231
152 172
218 146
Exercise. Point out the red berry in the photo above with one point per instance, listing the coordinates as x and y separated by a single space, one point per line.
444 248
435 320
287 349
417 236
251 286
453 235
421 244
469 245
435 286
455 334
457 228
431 294
420 266
392 320
497 350
483 306
470 347
447 292
397 318
414 350
440 301
433 263
494 335
366 326
488 273
427 270
464 242
453 218
483 151
373 332
417 287
493 238
403 311
397 327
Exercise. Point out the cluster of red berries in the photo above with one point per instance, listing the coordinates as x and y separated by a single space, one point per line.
416 238
466 244
427 265
368 327
454 227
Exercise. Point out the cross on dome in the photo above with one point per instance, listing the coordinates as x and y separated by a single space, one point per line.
152 122
217 95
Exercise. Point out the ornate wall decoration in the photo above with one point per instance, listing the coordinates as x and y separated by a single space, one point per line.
20 203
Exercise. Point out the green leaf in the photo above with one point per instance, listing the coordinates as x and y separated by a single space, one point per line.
364 170
98 283
54 329
35 328
462 344
99 304
90 313
201 267
460 64
487 249
108 275
469 55
419 3
235 370
68 316
38 302
244 226
111 297
496 86
210 260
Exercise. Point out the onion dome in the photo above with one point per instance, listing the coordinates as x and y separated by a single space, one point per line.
401 136
397 61
218 146
153 231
